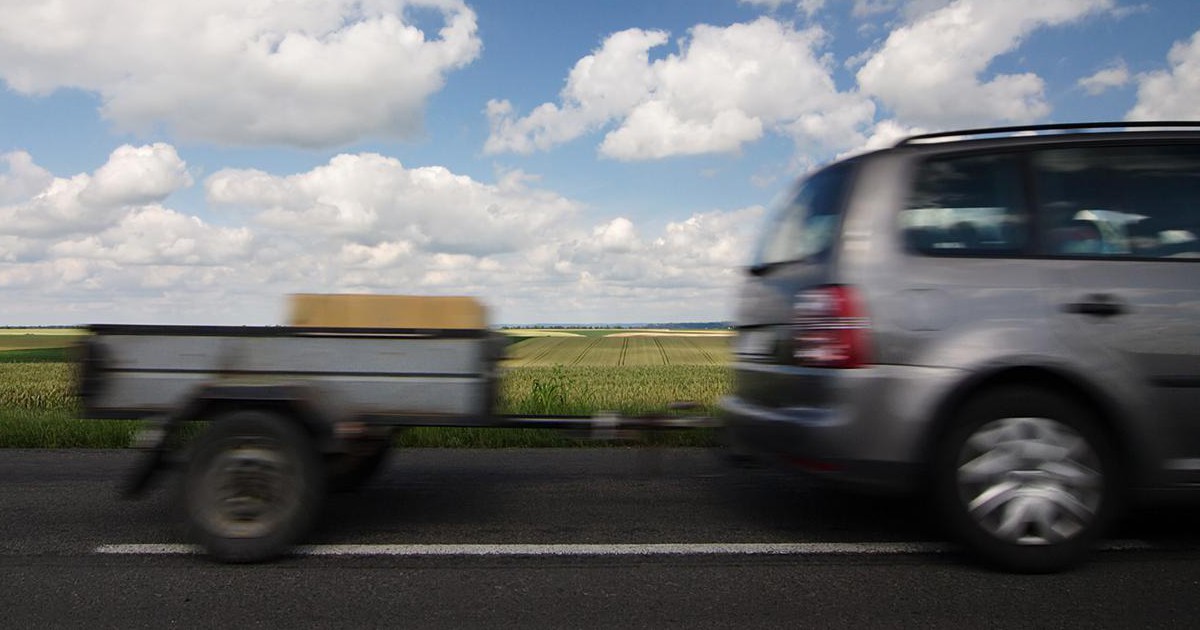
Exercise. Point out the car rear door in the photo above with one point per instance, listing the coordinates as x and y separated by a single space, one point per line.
1120 230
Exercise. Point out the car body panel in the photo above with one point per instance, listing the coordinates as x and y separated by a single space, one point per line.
945 322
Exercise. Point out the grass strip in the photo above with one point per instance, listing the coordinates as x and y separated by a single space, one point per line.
39 428
36 355
38 408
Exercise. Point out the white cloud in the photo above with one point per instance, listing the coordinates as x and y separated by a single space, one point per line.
656 129
51 276
17 249
367 198
311 73
618 235
702 253
362 223
53 210
23 178
886 133
137 175
931 71
1114 76
1172 94
105 234
601 86
378 256
713 241
727 86
368 223
153 235
44 205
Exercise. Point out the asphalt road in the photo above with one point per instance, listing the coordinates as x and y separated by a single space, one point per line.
58 508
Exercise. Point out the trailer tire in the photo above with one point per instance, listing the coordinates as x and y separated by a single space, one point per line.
253 487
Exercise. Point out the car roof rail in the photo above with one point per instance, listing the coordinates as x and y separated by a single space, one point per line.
949 136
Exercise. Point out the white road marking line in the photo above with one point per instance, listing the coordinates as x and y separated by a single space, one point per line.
651 549
148 549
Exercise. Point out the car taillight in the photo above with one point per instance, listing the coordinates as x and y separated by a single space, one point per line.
830 328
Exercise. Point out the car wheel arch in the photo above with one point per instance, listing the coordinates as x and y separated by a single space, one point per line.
1091 396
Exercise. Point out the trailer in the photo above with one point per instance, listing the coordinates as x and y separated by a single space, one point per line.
292 412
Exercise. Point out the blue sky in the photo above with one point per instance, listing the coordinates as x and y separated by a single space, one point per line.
602 161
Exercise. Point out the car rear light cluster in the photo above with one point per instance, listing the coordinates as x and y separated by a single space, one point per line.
830 328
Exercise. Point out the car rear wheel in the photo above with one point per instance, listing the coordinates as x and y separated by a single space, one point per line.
1027 479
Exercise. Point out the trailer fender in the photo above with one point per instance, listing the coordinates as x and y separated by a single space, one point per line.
158 439
296 401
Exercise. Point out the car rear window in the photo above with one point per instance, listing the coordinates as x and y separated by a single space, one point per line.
806 226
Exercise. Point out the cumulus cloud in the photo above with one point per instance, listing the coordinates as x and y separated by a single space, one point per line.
699 253
153 235
21 178
1114 76
1174 93
618 235
932 71
317 74
727 86
886 133
366 197
368 223
42 205
360 223
601 86
74 246
92 233
137 175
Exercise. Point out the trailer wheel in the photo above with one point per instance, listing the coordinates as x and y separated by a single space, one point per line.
253 487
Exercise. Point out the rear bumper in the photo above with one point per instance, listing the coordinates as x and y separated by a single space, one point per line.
871 430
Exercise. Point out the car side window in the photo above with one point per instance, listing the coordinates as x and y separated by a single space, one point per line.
1119 201
966 205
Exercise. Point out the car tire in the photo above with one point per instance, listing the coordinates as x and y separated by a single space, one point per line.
253 487
1027 479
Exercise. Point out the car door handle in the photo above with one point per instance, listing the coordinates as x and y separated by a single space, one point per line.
1099 304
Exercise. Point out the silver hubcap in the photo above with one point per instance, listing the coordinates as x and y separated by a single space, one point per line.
247 490
1030 481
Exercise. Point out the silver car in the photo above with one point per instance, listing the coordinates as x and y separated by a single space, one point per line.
1008 319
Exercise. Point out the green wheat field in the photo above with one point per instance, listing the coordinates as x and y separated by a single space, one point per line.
547 372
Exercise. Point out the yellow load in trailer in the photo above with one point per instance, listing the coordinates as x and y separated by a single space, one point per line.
420 312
